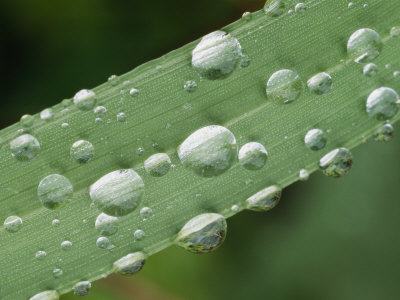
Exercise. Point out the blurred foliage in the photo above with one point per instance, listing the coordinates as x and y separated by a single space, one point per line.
327 239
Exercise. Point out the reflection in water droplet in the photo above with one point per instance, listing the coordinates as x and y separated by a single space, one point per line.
203 233
46 295
381 103
315 139
284 86
209 151
158 164
13 224
106 225
82 151
320 84
364 45
85 99
265 199
253 156
384 133
25 147
118 193
336 163
82 288
274 8
370 70
130 264
54 191
217 55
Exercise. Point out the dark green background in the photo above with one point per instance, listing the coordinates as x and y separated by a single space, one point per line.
327 239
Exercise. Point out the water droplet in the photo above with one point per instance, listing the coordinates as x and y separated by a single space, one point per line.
26 120
46 114
134 92
104 243
381 103
98 120
320 84
106 225
245 61
315 139
158 164
139 234
284 86
64 125
265 199
235 208
395 32
384 133
190 86
46 295
370 70
365 5
217 55
336 163
209 151
57 273
13 224
388 66
274 8
304 175
246 16
100 110
300 8
203 233
55 191
82 151
66 102
82 288
66 245
40 255
146 213
364 45
130 264
118 193
113 80
121 117
350 5
290 12
85 99
396 74
55 222
253 156
25 147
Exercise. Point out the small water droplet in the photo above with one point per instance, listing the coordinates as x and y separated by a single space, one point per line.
350 4
134 92
265 199
364 45
365 5
209 151
370 70
247 16
57 273
106 225
121 117
46 295
388 66
300 8
66 245
104 243
274 8
113 80
235 208
85 99
98 120
55 222
40 255
26 120
118 193
304 175
320 84
130 264
54 191
203 233
82 288
396 74
13 224
384 133
190 86
46 114
158 164
336 163
253 156
82 151
315 139
25 147
146 213
284 86
381 103
64 125
100 110
139 234
395 32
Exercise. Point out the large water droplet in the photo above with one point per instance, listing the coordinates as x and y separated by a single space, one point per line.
85 99
158 164
265 199
82 288
364 45
274 8
106 225
82 151
25 147
130 264
13 224
209 151
54 191
315 139
381 103
203 233
384 133
320 84
46 295
253 156
118 193
336 163
217 55
370 70
284 86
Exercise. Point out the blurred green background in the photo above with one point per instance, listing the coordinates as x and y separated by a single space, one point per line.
327 239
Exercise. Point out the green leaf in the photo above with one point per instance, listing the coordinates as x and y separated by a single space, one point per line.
163 114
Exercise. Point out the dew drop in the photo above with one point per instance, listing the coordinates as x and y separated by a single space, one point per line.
46 114
336 163
106 225
26 120
104 243
82 288
247 16
130 264
395 32
57 273
217 55
274 8
146 213
98 120
235 208
139 234
158 164
320 84
203 233
64 125
370 70
350 4
54 191
13 224
46 295
134 92
190 86
245 61
66 245
304 175
118 193
55 222
364 45
100 110
284 86
25 147
209 151
253 156
82 151
396 74
40 255
381 103
113 80
265 199
315 139
85 99
300 8
121 117
384 133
